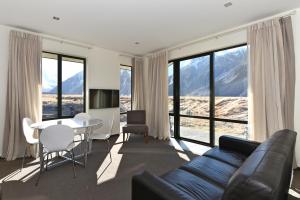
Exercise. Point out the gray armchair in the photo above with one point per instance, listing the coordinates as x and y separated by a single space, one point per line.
136 123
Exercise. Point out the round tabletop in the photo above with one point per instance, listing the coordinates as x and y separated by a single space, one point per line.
71 122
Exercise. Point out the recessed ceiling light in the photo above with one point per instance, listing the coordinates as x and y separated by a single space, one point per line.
136 43
56 18
228 4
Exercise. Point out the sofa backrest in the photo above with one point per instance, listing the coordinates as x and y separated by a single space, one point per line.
266 173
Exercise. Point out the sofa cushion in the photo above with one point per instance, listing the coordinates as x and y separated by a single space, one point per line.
194 186
230 157
210 169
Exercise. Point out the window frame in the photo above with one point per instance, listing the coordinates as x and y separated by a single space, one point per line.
59 84
176 97
132 82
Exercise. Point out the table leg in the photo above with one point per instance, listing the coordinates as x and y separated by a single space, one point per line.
41 151
86 138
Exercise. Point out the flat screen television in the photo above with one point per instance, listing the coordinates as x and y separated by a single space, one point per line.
103 98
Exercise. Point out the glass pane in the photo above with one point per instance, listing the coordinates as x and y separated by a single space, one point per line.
231 84
171 118
194 86
72 86
228 128
49 85
195 129
125 89
171 87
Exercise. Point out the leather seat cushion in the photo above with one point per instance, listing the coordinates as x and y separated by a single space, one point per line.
135 128
192 185
210 169
233 158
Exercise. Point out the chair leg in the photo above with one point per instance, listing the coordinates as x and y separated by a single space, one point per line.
41 171
108 149
47 160
73 161
123 136
146 137
23 160
81 140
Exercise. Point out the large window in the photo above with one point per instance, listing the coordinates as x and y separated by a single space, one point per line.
63 85
208 95
125 92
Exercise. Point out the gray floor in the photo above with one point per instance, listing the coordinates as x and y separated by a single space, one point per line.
101 179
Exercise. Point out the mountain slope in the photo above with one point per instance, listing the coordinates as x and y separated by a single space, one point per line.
125 83
73 85
230 74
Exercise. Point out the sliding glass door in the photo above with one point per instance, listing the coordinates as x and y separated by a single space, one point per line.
194 99
231 84
208 95
125 93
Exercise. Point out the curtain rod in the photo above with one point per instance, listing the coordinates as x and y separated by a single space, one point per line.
52 38
61 40
130 55
66 42
239 28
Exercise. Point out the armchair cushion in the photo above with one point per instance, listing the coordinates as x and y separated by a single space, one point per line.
135 128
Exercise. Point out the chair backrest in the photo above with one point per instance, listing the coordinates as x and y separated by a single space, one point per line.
28 131
82 116
136 117
107 126
57 137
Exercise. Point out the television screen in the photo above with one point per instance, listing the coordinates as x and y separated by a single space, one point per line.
103 98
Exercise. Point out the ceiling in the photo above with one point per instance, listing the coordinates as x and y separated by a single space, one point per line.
119 24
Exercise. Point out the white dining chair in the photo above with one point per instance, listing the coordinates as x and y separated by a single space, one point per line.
29 136
104 133
82 117
82 131
57 138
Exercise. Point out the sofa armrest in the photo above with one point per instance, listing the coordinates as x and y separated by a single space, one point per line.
146 186
239 145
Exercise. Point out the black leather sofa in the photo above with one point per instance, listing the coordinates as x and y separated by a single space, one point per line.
236 170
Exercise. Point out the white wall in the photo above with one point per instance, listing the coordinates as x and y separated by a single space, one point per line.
103 69
227 40
126 60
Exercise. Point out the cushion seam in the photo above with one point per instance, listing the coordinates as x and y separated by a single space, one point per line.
209 156
206 178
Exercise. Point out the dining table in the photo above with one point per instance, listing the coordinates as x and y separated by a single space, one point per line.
87 125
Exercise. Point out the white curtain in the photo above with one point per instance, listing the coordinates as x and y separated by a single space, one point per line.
272 77
23 90
157 98
138 84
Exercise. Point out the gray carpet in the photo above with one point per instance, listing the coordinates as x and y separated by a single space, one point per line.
101 179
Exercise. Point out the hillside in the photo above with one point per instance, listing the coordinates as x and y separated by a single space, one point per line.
125 83
230 74
73 85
